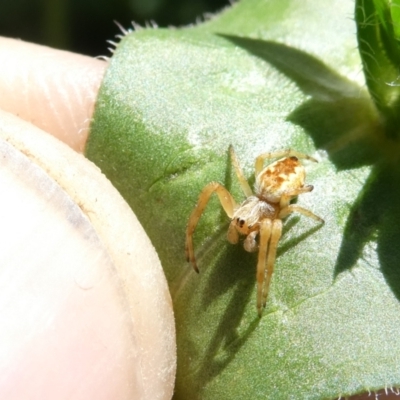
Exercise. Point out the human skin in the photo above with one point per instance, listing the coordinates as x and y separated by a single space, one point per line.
101 328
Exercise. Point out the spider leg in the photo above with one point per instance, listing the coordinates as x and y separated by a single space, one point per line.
233 234
259 164
295 208
228 203
287 197
265 234
239 173
276 233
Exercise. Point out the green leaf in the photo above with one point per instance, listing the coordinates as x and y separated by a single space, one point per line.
378 27
395 17
262 76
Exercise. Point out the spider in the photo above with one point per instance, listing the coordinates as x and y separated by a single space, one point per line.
261 213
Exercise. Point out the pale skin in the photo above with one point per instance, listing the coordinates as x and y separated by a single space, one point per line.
261 214
61 352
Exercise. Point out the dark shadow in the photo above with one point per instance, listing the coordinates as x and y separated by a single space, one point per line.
349 140
343 127
235 272
340 118
375 217
311 75
298 239
235 268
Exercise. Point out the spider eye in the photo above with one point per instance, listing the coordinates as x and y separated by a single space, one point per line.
240 222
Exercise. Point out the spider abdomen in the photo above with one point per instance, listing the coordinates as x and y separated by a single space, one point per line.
278 178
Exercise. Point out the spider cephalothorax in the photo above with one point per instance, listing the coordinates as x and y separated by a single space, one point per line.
261 213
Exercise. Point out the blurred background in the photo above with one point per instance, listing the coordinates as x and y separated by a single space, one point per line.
83 26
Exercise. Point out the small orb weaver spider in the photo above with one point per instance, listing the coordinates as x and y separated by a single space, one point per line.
261 213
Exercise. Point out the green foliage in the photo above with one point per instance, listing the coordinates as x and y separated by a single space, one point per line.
378 32
263 76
